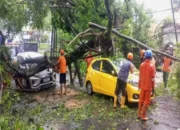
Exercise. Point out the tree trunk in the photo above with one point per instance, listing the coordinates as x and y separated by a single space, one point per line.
110 20
78 73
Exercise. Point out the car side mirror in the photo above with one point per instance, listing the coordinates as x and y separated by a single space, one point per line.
113 73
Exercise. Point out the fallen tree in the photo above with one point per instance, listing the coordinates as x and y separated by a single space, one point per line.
96 26
100 43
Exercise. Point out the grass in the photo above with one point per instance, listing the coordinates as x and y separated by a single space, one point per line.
98 109
43 46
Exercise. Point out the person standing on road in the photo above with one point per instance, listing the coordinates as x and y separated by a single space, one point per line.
170 48
166 68
1 76
62 66
2 38
122 80
88 59
146 84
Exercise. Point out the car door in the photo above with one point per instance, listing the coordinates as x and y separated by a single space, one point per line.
107 78
95 75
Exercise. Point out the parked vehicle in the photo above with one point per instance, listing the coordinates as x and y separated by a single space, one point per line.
42 80
101 77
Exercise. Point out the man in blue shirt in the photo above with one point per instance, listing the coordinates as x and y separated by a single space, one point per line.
2 38
122 80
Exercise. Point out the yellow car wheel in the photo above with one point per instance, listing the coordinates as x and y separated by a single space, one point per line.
89 88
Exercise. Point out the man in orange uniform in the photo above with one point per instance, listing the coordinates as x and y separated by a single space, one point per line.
166 69
62 66
89 59
142 52
146 84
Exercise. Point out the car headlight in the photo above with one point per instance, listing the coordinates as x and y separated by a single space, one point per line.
133 83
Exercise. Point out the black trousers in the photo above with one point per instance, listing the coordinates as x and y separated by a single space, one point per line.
120 87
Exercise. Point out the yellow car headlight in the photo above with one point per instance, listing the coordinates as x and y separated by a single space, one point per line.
133 83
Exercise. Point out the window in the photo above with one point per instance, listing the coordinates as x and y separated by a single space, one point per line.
107 67
96 65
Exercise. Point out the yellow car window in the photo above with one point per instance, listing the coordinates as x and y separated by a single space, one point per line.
96 65
107 67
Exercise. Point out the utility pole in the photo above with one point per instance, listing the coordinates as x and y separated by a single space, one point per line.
174 21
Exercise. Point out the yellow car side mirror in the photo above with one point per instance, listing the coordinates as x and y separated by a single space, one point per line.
113 73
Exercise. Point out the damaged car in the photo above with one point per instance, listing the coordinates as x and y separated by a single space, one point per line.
35 73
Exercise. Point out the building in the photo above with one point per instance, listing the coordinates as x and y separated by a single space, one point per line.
168 33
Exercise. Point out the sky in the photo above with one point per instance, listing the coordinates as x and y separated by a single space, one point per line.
158 5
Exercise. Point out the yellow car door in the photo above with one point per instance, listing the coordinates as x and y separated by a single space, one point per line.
108 77
94 75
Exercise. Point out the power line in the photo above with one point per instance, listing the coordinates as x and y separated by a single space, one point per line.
159 11
159 35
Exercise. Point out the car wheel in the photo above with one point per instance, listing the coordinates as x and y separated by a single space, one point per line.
89 88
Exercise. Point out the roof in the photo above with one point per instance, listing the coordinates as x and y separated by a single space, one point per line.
169 27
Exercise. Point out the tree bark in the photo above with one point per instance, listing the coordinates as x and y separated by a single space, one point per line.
78 73
70 74
93 25
110 20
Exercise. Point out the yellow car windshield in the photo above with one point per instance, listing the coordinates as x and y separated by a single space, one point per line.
133 78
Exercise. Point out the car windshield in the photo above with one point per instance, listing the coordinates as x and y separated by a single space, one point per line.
133 78
118 64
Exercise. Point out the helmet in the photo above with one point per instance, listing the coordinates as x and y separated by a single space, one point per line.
148 54
61 52
130 56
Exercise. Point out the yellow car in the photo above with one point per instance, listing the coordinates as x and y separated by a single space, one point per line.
101 77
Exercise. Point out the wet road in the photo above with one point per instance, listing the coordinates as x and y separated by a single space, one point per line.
165 115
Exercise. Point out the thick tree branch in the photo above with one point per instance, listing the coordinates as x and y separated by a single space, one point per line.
110 19
93 25
90 34
60 6
88 30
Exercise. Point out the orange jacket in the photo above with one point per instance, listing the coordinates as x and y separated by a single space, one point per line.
88 60
166 65
147 76
62 64
142 52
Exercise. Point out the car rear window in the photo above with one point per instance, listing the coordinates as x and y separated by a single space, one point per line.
96 65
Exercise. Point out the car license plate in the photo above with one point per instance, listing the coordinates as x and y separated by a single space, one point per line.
46 79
